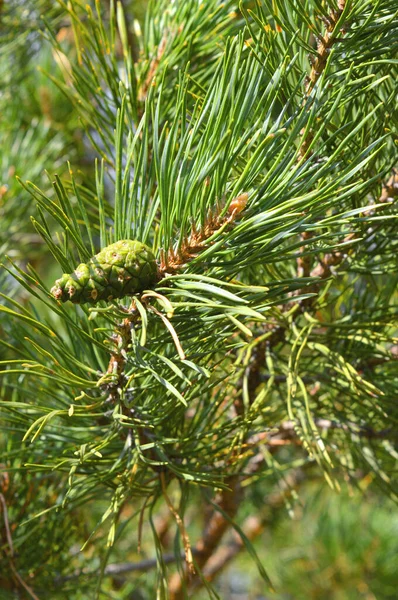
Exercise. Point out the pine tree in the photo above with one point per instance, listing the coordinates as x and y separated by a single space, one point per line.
174 388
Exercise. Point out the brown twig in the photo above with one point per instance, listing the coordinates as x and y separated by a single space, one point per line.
181 527
117 362
324 46
228 500
325 43
6 524
14 571
254 525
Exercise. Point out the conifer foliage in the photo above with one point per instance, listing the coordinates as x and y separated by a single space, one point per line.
225 229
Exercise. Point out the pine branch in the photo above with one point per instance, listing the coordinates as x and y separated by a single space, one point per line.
333 29
323 50
117 401
277 334
334 259
325 44
196 242
121 341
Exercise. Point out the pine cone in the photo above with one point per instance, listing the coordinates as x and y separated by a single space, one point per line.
121 269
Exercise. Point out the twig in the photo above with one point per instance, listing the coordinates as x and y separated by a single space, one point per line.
143 566
7 524
253 526
325 43
11 547
181 526
323 49
228 501
121 341
22 582
288 431
113 570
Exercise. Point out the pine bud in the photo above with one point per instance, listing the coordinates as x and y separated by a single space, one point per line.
238 204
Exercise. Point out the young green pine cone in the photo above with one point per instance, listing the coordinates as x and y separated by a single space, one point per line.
121 269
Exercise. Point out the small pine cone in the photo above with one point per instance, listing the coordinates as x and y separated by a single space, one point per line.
121 269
